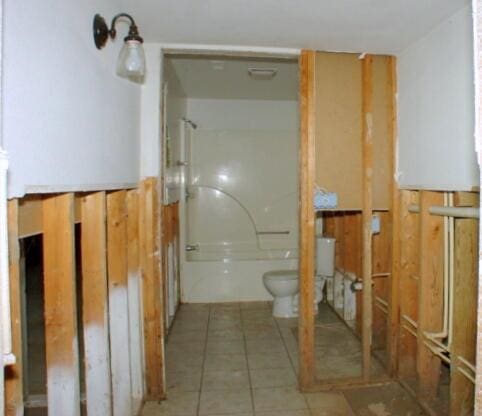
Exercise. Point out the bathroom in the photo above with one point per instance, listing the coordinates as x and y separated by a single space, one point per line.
231 168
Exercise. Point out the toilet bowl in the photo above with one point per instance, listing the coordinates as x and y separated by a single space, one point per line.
283 284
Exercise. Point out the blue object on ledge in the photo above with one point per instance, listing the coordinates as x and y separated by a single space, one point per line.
325 200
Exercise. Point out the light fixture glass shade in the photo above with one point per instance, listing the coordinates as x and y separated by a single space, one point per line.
132 61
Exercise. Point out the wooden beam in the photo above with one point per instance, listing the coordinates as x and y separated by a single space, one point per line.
367 186
14 373
465 312
95 305
62 354
30 215
430 292
394 293
118 303
381 263
151 290
134 286
307 220
409 267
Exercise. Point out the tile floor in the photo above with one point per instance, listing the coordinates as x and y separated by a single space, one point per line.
235 359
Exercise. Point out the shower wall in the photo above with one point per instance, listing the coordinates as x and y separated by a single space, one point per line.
243 179
242 205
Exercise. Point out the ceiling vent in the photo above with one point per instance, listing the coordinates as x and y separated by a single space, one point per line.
262 73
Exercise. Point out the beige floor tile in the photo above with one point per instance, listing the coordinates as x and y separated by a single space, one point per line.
285 413
187 337
178 362
185 348
225 362
269 334
227 401
220 346
178 404
254 305
260 324
274 377
280 398
275 360
225 380
334 402
226 334
184 380
256 314
225 324
265 346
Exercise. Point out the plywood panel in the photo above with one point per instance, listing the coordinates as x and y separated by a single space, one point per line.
382 139
339 124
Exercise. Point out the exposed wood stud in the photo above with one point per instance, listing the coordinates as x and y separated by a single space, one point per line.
14 373
430 292
151 289
394 280
367 179
118 303
409 265
307 220
134 286
95 305
62 354
465 309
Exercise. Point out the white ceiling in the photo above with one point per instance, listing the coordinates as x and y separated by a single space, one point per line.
227 78
377 26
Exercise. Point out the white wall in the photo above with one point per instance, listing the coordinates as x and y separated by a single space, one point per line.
151 112
69 122
436 109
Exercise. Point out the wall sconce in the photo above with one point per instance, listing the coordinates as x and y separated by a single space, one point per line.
131 63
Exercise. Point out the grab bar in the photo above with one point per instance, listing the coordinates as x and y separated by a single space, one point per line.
272 232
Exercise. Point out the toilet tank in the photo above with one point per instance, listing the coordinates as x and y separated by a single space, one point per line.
325 256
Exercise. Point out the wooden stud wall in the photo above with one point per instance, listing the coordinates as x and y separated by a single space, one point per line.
465 311
421 300
430 292
307 221
13 374
95 308
120 273
62 356
152 289
408 286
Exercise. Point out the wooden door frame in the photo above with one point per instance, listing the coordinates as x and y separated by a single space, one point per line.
307 173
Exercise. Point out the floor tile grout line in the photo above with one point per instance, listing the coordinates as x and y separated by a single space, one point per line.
203 363
251 393
287 350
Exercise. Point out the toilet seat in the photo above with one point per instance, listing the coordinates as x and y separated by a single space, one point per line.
281 275
286 275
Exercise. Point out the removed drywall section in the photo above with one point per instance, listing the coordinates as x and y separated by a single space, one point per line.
436 109
69 122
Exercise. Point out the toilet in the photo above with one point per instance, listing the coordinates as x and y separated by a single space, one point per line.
283 284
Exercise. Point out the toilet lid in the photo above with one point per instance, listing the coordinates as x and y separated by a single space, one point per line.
281 275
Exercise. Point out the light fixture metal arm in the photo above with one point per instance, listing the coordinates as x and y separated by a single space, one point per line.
133 30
